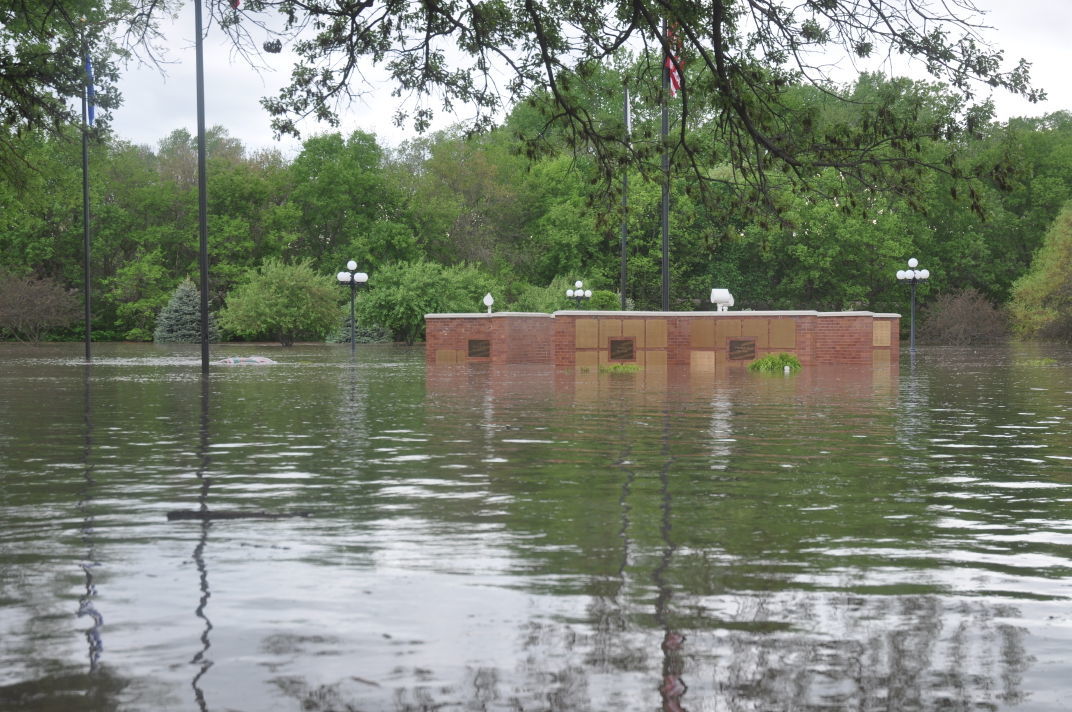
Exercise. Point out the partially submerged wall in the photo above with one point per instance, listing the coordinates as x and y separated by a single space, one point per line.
589 339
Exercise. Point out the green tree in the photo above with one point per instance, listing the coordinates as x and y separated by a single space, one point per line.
283 301
1042 299
179 322
400 294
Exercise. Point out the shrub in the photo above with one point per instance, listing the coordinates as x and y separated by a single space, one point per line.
619 368
775 363
284 301
961 319
1042 299
400 294
179 321
30 308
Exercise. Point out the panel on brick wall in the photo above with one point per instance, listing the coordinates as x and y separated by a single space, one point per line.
446 356
702 360
634 328
655 330
655 359
726 329
479 348
587 334
609 328
756 328
881 334
742 349
701 333
587 359
783 333
622 349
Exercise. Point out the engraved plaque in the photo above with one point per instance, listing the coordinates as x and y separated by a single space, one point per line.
622 350
479 348
741 349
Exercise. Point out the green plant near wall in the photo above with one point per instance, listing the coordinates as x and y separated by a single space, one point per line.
775 363
619 368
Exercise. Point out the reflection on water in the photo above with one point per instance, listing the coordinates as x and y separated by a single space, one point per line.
201 659
840 539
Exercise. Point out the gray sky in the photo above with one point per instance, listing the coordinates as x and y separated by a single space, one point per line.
155 105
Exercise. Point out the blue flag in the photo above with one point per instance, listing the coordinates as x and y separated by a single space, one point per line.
89 90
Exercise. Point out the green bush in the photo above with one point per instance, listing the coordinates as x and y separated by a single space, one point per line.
1041 303
179 322
283 301
775 363
400 294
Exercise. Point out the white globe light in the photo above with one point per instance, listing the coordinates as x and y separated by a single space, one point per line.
578 284
587 293
344 277
569 292
913 262
351 265
488 299
924 274
361 277
900 274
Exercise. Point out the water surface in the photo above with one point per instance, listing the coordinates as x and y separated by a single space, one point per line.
526 538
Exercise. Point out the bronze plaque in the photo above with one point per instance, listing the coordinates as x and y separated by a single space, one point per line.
479 348
741 349
622 350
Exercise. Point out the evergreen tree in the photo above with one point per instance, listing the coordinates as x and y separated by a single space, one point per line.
180 321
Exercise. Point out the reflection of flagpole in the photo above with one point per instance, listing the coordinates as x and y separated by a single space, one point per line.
87 120
666 184
200 658
86 605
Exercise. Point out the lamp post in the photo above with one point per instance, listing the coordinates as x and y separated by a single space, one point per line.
488 301
353 278
912 276
578 293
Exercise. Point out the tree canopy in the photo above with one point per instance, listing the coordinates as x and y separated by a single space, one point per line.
742 63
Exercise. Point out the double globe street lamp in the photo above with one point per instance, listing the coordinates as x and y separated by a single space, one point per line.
354 279
912 276
578 293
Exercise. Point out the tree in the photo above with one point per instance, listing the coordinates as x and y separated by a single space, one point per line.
400 294
30 308
740 62
284 301
43 45
179 322
1042 299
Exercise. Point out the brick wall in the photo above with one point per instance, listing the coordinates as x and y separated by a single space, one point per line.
695 339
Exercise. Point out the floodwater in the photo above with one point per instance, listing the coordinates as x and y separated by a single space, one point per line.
479 538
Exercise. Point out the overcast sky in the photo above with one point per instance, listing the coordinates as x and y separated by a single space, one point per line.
155 105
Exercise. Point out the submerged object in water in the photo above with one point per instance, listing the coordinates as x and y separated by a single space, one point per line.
244 361
209 515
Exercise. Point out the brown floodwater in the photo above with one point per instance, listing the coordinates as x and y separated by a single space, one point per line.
476 538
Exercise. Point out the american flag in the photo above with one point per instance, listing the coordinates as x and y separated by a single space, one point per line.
673 62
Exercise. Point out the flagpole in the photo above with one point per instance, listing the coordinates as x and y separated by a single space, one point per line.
87 87
625 199
666 184
202 196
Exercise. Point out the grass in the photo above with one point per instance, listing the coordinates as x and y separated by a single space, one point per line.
775 363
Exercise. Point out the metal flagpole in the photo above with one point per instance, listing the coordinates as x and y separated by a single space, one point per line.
666 185
625 201
86 91
202 196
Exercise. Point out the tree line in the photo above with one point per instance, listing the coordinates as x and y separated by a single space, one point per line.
440 220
